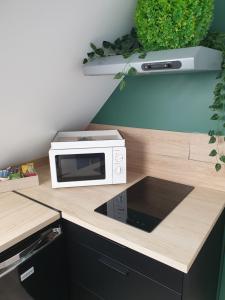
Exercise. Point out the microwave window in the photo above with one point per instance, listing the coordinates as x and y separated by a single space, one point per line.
77 167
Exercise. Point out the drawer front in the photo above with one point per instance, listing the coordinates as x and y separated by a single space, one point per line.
110 280
153 269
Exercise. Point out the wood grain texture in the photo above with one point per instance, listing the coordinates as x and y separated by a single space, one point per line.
21 217
17 184
175 242
176 156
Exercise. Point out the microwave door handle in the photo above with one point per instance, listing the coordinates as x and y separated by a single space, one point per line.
45 239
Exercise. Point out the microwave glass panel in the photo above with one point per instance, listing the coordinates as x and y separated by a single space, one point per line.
78 167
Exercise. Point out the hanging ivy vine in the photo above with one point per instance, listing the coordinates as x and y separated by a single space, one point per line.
126 46
217 135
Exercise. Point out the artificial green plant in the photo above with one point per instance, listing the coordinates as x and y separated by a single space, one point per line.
166 24
217 135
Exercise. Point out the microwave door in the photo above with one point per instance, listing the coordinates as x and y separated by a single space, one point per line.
80 167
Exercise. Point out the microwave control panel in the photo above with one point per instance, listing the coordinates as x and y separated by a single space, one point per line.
119 165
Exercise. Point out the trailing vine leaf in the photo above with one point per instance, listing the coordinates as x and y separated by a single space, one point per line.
119 75
122 84
217 41
127 55
106 44
142 55
222 158
215 117
213 153
126 45
211 132
218 167
91 54
132 72
100 52
93 47
85 61
212 140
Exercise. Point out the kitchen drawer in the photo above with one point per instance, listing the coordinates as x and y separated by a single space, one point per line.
151 268
110 280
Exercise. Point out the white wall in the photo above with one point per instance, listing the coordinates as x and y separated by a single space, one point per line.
42 88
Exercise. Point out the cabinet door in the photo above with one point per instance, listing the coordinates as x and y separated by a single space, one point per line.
111 280
154 270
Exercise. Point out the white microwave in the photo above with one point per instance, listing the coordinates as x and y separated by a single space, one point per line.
86 158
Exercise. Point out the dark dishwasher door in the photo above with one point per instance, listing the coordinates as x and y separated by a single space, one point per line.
37 272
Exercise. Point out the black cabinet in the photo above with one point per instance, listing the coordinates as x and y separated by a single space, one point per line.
109 279
38 271
151 268
100 269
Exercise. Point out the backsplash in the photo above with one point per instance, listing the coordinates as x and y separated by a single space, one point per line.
176 156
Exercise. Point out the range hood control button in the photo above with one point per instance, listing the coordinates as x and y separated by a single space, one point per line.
157 66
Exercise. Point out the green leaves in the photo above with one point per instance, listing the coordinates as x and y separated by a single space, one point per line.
211 132
222 158
132 72
106 44
218 167
127 55
119 75
217 41
142 55
100 52
122 84
173 24
215 117
126 45
85 61
212 140
91 54
213 153
93 47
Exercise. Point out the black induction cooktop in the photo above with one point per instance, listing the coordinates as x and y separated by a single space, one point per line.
145 204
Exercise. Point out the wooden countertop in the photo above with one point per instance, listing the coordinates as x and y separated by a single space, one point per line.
175 242
21 217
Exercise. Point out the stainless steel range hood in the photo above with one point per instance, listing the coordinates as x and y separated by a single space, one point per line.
194 59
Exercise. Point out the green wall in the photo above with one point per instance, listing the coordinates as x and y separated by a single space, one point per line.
169 102
175 102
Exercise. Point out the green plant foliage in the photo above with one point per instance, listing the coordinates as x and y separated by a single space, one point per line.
218 167
125 46
217 41
169 24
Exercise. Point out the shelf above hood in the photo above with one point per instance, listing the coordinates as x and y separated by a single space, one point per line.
193 59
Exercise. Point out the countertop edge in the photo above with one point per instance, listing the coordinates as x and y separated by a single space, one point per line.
29 232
